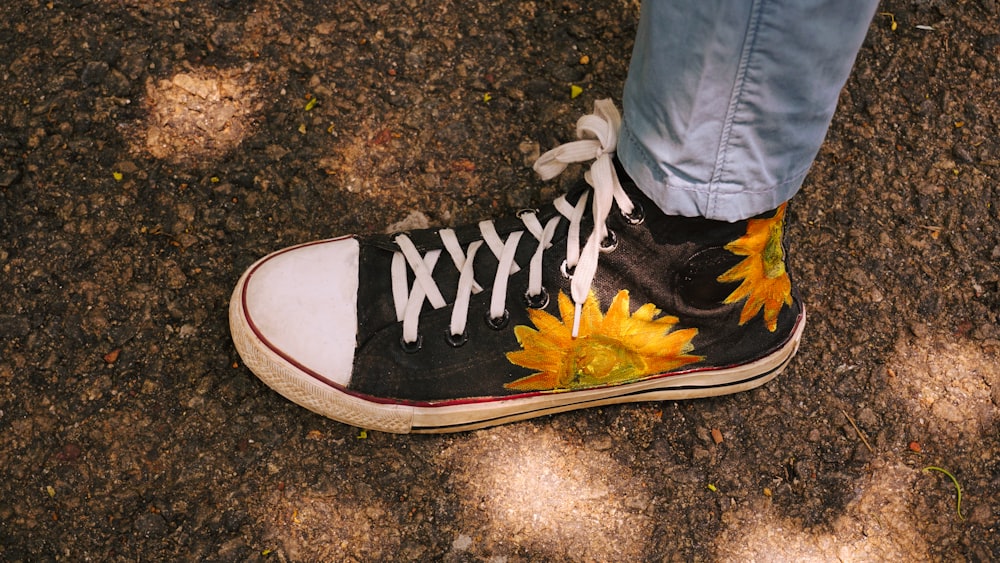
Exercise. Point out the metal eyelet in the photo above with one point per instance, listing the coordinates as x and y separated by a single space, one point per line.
637 216
609 242
522 212
539 301
456 340
412 347
498 323
566 270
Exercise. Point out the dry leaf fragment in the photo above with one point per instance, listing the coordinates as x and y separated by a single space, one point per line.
112 356
716 436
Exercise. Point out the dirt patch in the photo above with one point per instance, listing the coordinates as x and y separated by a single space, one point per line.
193 116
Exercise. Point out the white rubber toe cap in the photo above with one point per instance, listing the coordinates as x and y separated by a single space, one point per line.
302 303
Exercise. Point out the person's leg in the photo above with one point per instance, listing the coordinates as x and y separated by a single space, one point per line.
727 102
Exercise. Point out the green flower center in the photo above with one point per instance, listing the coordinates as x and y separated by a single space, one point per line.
597 360
773 255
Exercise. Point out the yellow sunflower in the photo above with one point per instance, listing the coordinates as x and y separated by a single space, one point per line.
610 349
765 282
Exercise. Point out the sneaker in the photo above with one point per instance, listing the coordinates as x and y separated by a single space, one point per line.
598 298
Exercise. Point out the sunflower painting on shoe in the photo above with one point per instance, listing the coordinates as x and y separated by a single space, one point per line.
765 283
611 348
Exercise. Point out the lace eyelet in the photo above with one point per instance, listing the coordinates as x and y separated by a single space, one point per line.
522 212
610 242
539 301
411 347
498 323
637 216
566 270
456 340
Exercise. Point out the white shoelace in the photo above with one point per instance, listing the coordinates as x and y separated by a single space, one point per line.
598 138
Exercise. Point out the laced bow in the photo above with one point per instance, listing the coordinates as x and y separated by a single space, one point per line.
597 135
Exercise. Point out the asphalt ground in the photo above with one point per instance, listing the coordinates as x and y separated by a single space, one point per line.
151 150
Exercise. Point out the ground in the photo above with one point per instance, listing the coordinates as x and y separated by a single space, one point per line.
150 150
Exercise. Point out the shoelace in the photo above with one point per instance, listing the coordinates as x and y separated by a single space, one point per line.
598 138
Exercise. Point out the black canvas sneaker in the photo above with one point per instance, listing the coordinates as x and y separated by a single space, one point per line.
598 298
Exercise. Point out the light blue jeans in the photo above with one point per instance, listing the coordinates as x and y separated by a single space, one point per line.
727 102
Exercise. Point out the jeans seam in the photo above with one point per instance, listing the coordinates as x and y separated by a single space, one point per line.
753 27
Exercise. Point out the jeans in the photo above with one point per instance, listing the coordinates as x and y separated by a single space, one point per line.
727 102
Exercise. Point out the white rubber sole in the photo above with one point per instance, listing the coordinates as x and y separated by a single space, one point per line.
328 400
